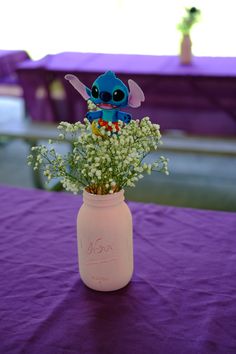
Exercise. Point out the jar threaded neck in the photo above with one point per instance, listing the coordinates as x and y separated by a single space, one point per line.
105 200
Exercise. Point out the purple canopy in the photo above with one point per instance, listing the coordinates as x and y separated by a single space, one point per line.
182 297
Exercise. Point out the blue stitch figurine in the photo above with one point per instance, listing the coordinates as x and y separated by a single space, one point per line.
109 94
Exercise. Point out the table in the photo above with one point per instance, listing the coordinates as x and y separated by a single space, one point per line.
199 98
182 297
9 59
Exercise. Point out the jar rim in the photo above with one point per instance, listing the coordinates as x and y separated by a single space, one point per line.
104 199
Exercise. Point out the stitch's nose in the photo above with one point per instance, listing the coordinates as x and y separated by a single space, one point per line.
105 96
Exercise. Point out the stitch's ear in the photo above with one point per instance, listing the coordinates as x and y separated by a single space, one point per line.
136 95
79 86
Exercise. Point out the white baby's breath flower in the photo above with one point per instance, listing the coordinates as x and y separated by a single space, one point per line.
105 163
130 184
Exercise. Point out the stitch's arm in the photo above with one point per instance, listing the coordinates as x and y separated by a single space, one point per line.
125 117
94 115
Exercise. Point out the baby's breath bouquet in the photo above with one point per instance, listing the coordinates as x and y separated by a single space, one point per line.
104 163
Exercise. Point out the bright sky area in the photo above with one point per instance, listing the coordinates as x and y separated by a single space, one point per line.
115 26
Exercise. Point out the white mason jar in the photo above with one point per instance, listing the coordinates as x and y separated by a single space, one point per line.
105 241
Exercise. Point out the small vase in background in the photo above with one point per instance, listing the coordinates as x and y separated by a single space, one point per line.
105 241
186 50
190 18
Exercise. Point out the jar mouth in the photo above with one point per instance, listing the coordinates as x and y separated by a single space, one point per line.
103 200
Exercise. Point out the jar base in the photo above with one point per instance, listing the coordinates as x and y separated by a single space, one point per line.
104 287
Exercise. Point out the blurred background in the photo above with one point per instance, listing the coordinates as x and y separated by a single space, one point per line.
115 26
195 104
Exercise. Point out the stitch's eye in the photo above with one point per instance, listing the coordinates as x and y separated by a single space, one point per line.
95 91
118 95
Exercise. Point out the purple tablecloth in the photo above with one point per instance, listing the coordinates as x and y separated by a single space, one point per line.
134 64
182 298
9 60
199 98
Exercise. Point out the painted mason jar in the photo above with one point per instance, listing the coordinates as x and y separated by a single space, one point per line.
105 241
